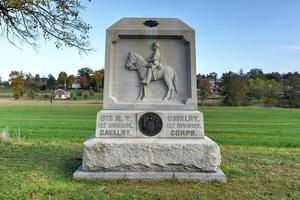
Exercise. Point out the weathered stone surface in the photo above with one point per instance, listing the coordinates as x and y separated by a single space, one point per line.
177 54
149 154
124 123
150 127
204 177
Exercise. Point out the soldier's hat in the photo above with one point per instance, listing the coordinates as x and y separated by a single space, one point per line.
156 44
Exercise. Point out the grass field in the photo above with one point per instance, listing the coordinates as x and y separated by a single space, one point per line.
260 155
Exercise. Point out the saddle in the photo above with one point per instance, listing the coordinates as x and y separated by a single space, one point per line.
155 70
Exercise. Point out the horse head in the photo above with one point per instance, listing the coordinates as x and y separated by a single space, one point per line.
131 61
134 61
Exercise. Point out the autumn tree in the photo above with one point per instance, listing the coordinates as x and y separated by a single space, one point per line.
234 89
26 21
84 82
86 71
62 79
70 80
204 87
97 79
17 83
85 77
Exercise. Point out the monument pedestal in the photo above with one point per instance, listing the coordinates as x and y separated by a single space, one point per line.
151 159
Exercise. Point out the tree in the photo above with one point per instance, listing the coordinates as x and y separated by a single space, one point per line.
70 80
85 77
27 20
62 79
29 82
291 93
273 91
97 79
17 83
234 89
274 75
205 89
37 82
256 89
85 72
51 82
263 89
84 82
5 83
255 73
43 83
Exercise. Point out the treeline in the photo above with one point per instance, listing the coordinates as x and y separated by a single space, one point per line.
253 87
22 83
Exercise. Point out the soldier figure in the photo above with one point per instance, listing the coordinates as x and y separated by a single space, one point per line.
154 64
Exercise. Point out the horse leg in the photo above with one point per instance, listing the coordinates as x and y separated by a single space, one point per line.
143 92
171 94
168 83
140 93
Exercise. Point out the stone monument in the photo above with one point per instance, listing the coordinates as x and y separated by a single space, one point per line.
150 127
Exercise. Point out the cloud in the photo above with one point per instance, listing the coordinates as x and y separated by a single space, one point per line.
291 47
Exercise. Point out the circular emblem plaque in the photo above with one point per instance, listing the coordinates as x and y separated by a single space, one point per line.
150 124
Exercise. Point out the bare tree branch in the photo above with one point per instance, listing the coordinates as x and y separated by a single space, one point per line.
25 21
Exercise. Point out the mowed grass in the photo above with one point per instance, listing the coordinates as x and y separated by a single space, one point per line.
269 127
260 155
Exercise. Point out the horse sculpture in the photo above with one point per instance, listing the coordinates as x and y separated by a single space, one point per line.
166 73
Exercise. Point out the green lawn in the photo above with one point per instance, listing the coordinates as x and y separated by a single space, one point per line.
5 92
260 151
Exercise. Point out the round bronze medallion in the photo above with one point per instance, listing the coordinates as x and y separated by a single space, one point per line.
150 124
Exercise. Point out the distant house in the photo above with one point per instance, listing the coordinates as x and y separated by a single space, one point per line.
215 84
61 94
76 86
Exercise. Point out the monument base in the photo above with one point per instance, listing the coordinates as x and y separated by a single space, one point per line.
150 158
203 177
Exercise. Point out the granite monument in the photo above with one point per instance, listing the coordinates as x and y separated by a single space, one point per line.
150 127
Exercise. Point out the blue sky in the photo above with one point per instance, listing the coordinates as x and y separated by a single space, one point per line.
230 35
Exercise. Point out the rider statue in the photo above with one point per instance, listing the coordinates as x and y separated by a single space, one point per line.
153 64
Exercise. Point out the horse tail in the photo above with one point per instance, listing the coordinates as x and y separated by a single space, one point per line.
174 81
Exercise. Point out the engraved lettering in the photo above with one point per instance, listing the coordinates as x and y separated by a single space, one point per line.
118 118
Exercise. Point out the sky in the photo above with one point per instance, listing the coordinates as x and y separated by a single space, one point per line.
230 35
